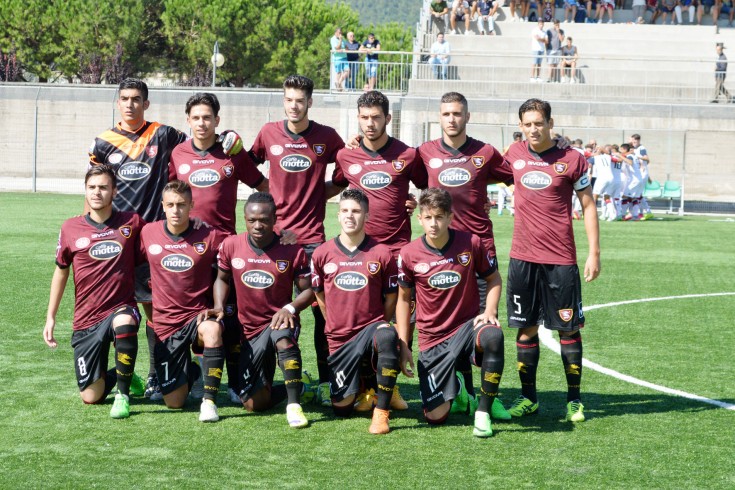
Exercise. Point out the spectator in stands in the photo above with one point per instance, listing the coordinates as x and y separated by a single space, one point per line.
569 56
370 46
339 59
651 6
593 10
517 8
726 7
639 11
665 7
487 9
555 37
353 58
460 12
605 6
706 7
720 75
438 10
690 5
538 47
547 11
440 56
570 10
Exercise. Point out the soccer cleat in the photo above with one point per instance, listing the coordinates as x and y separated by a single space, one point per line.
208 411
295 416
366 401
483 426
153 389
325 397
137 386
308 388
648 216
523 406
575 411
462 399
498 411
379 424
628 217
396 400
120 407
234 397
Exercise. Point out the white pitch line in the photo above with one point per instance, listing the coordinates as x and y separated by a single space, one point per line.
549 341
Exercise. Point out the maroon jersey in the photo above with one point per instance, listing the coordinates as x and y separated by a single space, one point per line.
213 178
264 278
446 288
181 273
384 176
140 160
465 174
545 183
354 284
103 257
298 164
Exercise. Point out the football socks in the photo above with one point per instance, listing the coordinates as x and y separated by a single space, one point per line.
528 356
289 360
490 338
386 341
571 356
126 350
213 361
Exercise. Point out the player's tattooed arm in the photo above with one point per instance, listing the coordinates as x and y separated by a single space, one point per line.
405 330
58 284
221 290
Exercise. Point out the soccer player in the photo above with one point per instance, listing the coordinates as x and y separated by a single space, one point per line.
101 248
641 154
299 151
139 152
609 182
354 278
265 272
543 278
213 176
442 265
181 260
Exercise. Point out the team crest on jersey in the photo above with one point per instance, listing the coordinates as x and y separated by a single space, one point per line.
421 268
126 231
560 167
566 314
519 164
228 170
373 267
82 242
229 310
354 169
152 151
282 265
399 165
319 149
276 150
330 268
200 247
464 258
478 161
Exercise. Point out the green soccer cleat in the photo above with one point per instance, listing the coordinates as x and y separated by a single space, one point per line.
483 426
498 411
120 407
295 416
308 388
575 411
324 395
462 399
137 386
523 406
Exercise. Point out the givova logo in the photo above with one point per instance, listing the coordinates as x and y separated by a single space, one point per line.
444 280
134 170
177 263
204 177
536 180
257 279
375 180
295 163
350 281
106 250
454 177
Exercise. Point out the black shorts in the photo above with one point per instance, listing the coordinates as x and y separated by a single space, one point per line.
143 283
543 294
257 363
437 365
347 362
172 357
92 347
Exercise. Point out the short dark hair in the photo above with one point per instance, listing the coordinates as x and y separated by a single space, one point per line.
179 187
134 83
517 136
450 97
101 170
203 98
435 198
535 105
299 82
374 99
578 142
636 136
355 195
261 198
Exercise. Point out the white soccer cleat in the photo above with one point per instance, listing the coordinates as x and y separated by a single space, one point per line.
295 416
208 411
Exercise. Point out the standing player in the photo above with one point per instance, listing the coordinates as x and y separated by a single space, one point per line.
101 247
641 154
299 151
608 183
181 260
139 152
213 176
442 265
265 272
543 278
354 278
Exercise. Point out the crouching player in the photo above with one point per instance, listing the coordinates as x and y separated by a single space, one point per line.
265 274
354 278
101 248
442 265
181 260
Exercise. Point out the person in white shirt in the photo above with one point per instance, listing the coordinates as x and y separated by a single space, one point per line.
440 56
538 48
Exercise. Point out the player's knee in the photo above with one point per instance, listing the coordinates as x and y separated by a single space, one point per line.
433 418
211 333
91 397
490 338
386 340
126 330
568 338
527 334
343 410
